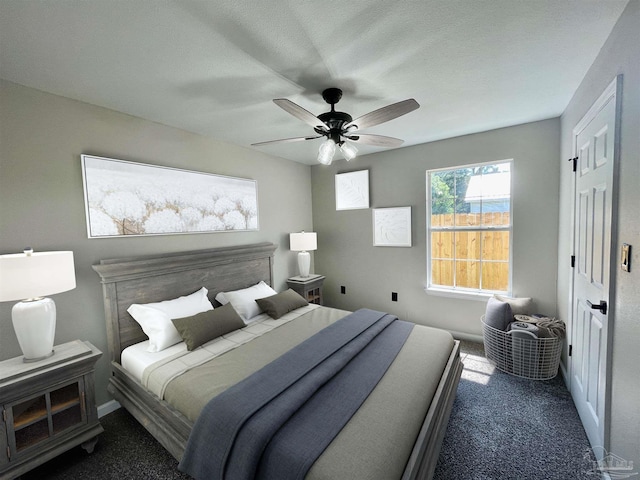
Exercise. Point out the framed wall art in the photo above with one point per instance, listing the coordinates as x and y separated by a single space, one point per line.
392 227
352 190
126 198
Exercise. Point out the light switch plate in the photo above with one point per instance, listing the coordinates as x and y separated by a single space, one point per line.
625 258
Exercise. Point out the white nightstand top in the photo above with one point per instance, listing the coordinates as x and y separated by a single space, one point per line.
299 279
16 367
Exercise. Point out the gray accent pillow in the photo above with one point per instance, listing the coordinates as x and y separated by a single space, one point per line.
498 314
203 327
281 303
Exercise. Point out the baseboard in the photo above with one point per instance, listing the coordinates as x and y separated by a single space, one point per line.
472 337
107 408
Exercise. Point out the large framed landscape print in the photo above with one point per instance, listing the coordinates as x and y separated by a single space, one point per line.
126 198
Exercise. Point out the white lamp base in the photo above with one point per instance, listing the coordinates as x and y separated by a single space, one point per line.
304 263
34 322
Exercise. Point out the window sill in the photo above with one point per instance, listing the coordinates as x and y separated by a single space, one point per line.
439 292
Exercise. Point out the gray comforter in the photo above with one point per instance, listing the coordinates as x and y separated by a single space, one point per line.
274 424
377 440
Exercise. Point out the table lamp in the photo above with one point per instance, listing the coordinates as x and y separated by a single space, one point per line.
29 277
303 242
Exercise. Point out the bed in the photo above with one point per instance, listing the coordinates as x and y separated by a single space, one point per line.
147 279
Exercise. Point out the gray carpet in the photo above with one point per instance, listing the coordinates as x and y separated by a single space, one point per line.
505 427
501 427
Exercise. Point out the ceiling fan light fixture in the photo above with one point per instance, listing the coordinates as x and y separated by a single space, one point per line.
349 151
340 126
326 152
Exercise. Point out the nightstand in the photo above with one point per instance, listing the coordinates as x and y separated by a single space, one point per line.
47 407
309 287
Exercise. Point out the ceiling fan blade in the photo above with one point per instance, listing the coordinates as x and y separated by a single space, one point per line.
383 114
286 140
375 140
300 113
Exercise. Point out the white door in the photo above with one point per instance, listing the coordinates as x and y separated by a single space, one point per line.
595 148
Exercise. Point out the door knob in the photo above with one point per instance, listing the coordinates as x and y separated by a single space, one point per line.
602 306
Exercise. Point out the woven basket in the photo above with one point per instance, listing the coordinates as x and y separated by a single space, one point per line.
533 358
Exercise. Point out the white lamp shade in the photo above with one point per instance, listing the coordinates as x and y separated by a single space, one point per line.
303 241
35 275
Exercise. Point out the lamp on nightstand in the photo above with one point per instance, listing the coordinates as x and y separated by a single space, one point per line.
303 242
29 277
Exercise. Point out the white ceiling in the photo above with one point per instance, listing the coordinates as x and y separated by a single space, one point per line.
213 67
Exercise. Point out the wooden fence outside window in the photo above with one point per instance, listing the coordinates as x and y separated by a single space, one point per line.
479 258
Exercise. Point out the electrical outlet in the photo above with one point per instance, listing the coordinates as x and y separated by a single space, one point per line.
343 289
394 296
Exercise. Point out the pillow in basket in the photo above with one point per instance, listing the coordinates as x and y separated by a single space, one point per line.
498 314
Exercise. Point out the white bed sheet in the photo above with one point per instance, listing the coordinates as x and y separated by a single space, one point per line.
135 359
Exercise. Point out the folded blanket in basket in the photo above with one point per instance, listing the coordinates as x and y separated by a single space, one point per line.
547 327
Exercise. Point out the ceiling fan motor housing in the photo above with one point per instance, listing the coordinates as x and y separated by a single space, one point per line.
334 120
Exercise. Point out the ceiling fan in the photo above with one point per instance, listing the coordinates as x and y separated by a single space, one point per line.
340 129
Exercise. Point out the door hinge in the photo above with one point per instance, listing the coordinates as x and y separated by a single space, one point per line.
575 163
570 350
4 415
573 261
8 453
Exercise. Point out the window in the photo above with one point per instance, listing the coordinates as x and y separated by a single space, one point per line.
469 229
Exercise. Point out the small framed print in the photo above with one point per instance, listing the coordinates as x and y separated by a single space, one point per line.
392 227
352 190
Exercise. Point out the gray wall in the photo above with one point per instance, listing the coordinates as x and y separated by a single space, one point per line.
42 203
619 55
346 256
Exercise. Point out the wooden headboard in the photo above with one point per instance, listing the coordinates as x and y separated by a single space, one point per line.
162 277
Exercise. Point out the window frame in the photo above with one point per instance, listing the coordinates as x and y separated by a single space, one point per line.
465 292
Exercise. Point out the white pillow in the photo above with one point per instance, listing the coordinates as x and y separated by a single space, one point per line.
155 318
519 306
244 301
221 299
